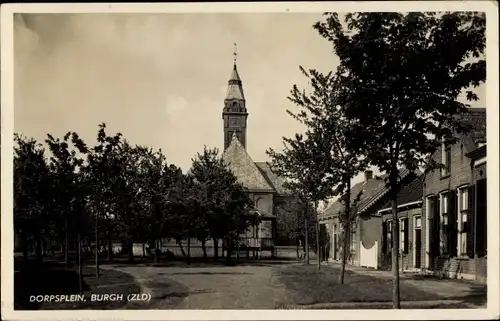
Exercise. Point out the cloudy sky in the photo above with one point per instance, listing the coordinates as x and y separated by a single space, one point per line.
160 79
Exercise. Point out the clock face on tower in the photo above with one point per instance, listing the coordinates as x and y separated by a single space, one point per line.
233 121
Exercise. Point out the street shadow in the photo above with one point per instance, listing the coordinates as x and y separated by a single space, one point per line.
48 278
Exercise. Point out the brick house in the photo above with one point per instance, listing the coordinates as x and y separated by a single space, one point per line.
366 234
454 206
409 204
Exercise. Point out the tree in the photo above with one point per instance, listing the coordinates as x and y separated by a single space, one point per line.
400 77
308 171
101 178
180 218
66 189
31 192
223 200
290 217
337 144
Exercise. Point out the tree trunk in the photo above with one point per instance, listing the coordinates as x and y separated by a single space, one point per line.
396 304
24 245
179 242
66 241
228 250
318 250
157 251
38 247
44 246
110 248
306 241
347 230
188 259
130 250
204 248
97 245
216 248
80 267
143 249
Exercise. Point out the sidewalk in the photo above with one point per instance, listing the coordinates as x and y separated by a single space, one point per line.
435 304
468 290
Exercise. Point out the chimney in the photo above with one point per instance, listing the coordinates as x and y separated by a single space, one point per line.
368 175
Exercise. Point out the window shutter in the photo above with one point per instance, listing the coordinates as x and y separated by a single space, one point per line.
434 227
406 234
470 220
384 237
448 159
452 223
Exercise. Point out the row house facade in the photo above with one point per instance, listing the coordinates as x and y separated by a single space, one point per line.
367 247
442 214
454 206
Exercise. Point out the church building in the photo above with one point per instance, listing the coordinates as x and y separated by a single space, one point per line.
265 187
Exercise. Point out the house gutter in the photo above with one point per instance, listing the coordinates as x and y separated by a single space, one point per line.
400 206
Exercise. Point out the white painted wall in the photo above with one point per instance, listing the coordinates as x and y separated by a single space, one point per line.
369 257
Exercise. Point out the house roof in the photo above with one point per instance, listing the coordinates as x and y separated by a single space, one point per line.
244 168
477 153
409 193
476 117
272 178
372 190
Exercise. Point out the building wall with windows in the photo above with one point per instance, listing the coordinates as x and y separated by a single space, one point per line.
450 210
410 220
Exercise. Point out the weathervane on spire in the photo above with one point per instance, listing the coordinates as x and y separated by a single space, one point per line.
235 53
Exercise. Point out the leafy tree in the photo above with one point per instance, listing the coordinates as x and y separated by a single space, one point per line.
179 221
399 79
31 192
308 171
290 217
101 178
338 144
67 197
223 200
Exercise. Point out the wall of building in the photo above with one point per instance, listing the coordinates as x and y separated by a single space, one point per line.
406 260
263 201
434 184
461 267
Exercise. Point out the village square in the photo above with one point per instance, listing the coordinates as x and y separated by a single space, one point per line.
376 201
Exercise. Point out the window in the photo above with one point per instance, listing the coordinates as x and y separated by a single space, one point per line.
403 228
448 226
389 235
463 207
418 222
443 200
445 159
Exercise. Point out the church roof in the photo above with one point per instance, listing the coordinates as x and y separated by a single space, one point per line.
244 168
273 179
235 87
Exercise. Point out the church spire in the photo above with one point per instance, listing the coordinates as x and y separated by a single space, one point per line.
235 86
235 111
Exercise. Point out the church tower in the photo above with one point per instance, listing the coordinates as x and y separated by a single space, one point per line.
234 113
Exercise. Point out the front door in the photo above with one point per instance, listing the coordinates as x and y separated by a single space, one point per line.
418 248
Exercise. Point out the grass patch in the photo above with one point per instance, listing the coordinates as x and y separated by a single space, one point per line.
307 285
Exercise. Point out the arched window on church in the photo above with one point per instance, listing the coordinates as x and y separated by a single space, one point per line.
258 203
235 106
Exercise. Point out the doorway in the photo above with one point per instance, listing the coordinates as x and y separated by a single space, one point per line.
417 241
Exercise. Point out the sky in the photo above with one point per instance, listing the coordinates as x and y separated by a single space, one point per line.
160 79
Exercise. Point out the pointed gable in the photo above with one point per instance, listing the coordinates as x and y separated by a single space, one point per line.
276 181
244 168
235 87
